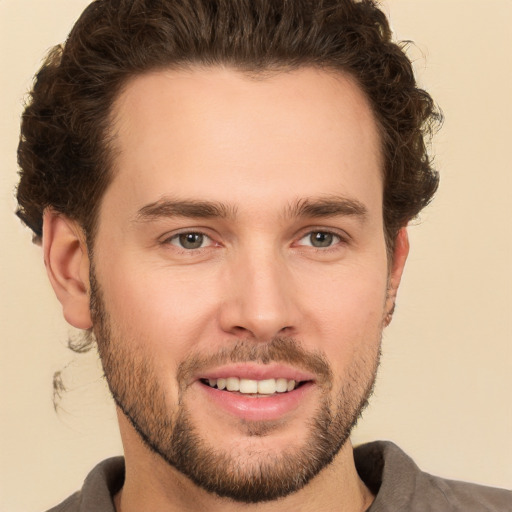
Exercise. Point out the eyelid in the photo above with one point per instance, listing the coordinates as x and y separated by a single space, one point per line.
342 235
336 240
205 240
169 237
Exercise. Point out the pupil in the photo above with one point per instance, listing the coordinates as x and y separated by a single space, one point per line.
191 240
321 239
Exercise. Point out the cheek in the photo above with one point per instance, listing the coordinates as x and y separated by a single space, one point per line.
347 312
354 291
157 307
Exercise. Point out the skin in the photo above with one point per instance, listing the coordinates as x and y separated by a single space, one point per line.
259 148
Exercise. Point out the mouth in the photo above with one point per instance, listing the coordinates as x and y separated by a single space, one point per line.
255 392
255 388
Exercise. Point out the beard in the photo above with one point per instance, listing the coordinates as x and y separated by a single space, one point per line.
250 475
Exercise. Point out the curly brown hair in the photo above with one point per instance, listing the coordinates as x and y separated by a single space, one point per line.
65 151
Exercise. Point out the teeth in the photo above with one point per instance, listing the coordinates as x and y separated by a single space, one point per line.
233 384
248 386
252 387
267 387
281 385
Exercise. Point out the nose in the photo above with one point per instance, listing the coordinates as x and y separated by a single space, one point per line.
259 299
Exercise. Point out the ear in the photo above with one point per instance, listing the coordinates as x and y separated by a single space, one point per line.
67 265
400 253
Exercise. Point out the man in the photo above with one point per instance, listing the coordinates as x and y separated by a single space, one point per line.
222 190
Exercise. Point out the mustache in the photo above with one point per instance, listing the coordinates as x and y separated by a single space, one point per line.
278 350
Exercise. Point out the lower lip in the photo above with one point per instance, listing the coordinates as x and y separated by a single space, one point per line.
254 408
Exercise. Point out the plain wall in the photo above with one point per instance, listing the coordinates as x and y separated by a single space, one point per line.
443 393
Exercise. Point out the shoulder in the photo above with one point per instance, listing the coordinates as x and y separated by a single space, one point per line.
399 485
71 504
98 489
466 496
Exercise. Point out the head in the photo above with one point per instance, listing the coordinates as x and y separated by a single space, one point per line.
224 187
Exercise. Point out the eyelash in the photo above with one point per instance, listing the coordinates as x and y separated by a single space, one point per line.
169 240
338 239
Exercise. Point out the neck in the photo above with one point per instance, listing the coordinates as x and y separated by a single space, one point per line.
152 484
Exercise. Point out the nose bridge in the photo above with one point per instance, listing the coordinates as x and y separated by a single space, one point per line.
261 298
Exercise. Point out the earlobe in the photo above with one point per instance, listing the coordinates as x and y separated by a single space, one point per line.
67 265
400 253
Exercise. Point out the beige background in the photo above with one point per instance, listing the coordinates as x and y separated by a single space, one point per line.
444 389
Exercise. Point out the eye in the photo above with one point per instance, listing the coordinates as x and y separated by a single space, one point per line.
320 239
191 240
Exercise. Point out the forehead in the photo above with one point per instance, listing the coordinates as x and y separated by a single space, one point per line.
218 134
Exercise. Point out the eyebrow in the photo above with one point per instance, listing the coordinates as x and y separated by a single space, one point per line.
329 206
321 207
191 209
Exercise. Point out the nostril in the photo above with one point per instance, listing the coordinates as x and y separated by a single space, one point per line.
242 332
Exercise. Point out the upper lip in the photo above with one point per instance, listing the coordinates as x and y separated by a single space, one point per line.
255 371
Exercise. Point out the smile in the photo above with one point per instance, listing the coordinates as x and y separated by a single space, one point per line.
253 387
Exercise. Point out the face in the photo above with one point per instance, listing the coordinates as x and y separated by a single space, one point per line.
240 279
